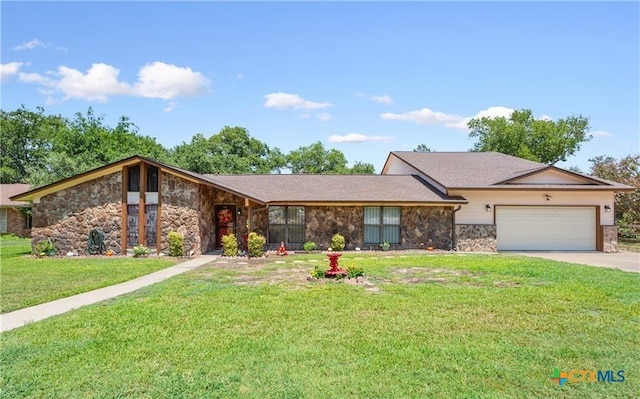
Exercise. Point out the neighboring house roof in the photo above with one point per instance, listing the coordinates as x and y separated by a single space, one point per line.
313 188
9 190
490 170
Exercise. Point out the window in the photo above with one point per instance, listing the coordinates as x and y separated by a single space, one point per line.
28 220
381 223
3 220
152 179
134 179
286 223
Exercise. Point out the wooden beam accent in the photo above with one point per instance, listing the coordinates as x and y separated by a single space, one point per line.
159 215
599 231
142 220
123 222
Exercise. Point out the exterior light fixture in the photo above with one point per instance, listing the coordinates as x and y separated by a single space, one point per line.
547 197
607 208
487 207
239 212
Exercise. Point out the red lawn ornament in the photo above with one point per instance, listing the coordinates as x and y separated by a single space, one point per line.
282 251
333 263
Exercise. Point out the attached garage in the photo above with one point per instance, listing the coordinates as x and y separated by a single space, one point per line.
544 228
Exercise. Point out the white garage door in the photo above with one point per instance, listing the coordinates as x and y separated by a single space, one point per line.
546 228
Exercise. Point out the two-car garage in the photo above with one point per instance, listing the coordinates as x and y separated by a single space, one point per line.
545 228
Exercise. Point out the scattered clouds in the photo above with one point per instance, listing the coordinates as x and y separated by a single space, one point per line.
426 116
170 107
9 69
358 138
30 45
324 116
601 133
382 99
155 80
281 100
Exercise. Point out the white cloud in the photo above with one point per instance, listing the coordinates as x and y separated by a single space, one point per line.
358 138
281 100
382 99
170 107
426 116
546 118
9 69
601 133
156 80
30 45
324 116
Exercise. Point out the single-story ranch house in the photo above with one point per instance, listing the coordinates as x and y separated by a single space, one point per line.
15 216
469 201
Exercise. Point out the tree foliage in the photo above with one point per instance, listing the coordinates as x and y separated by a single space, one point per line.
362 168
422 148
522 135
626 171
315 158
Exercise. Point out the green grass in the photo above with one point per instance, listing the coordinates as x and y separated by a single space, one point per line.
27 281
441 326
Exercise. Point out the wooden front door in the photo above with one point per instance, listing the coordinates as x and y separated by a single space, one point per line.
225 222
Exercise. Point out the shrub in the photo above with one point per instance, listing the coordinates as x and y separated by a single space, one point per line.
45 247
256 245
355 271
337 242
140 251
176 243
317 272
309 246
229 245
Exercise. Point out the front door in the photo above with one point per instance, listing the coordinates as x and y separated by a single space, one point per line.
225 222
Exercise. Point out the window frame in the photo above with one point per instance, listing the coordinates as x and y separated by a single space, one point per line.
381 225
287 225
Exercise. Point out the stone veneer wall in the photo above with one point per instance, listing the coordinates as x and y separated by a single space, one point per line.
610 238
224 198
476 237
16 222
180 205
424 226
322 222
68 215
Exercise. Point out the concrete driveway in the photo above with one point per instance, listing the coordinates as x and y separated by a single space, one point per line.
627 261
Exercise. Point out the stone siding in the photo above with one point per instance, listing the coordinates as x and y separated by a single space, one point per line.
180 204
610 238
68 215
322 222
224 198
426 226
17 222
476 237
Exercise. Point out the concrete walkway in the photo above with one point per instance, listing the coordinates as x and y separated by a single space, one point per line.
627 261
19 318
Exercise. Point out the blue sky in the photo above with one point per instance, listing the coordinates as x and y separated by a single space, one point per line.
364 77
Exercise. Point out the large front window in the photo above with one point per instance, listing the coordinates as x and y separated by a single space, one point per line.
286 224
381 224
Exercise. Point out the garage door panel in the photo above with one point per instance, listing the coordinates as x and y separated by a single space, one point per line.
545 228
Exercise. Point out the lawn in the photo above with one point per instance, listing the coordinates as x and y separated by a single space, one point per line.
463 326
28 281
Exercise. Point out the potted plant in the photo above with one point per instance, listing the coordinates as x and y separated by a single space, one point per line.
385 246
46 248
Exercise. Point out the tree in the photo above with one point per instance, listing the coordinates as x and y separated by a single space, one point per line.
316 159
422 148
232 150
626 171
361 168
522 135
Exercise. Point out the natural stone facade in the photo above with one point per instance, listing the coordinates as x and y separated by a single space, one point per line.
610 238
17 222
476 237
322 222
68 215
179 207
426 226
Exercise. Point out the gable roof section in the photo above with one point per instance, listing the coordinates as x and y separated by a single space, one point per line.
493 170
9 190
335 189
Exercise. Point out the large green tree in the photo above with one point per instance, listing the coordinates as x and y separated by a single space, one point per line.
315 158
522 135
232 150
626 170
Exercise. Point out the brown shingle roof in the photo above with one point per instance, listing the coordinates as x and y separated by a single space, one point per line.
487 170
9 190
310 188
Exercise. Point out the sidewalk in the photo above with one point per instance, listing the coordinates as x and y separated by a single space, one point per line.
19 318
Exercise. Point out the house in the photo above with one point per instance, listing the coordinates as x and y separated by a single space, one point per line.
469 201
15 216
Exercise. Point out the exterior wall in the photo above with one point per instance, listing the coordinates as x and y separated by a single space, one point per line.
475 212
68 215
476 238
551 177
322 222
16 222
609 238
426 226
180 205
224 198
395 166
207 218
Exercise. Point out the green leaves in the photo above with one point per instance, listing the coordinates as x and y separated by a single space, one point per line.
522 135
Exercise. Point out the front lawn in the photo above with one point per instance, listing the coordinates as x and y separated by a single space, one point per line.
28 281
444 326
